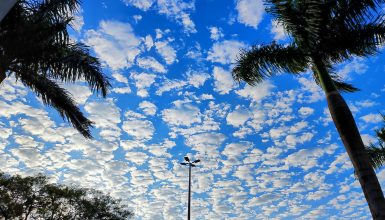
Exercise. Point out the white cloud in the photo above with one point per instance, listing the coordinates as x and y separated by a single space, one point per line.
194 79
139 158
166 51
372 118
206 97
250 12
31 157
122 90
120 78
306 111
140 129
141 4
79 92
183 114
177 10
137 18
238 117
195 52
143 81
277 30
78 22
305 158
106 116
366 103
197 79
148 108
357 66
368 139
115 43
169 85
293 140
149 42
340 164
225 52
236 149
11 89
224 82
256 93
309 86
244 172
4 133
150 63
206 144
215 33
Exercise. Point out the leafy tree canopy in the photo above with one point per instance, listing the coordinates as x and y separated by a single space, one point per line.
34 198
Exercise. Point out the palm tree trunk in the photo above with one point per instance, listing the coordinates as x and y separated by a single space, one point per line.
351 138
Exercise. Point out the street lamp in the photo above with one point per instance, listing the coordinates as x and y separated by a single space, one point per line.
189 164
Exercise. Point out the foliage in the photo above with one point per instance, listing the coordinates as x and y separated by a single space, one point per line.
36 48
34 198
377 152
329 31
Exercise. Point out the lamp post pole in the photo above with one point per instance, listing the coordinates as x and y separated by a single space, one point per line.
189 164
189 193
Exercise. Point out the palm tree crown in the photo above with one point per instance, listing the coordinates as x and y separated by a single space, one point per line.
322 32
36 48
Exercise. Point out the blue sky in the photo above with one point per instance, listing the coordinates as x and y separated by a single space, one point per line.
267 152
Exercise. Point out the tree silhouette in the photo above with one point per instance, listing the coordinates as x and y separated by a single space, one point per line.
323 33
34 198
36 49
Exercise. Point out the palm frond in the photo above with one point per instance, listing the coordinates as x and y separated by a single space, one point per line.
381 132
56 8
55 96
290 17
36 47
345 87
338 83
376 155
352 12
304 21
71 63
363 40
260 62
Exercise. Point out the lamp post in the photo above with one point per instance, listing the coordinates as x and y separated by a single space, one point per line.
189 164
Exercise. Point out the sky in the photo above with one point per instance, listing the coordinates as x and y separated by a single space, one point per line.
267 152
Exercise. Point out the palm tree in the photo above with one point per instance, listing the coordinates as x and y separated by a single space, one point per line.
36 49
322 33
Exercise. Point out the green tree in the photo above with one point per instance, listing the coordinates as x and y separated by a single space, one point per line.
34 198
36 49
323 33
